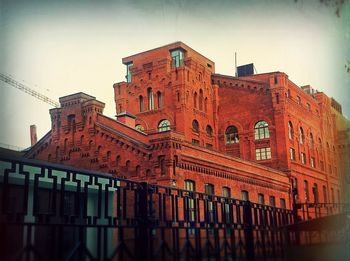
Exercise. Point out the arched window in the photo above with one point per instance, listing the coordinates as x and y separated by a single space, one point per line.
159 99
231 135
195 100
206 104
195 126
164 125
320 143
65 144
139 127
301 136
209 131
261 130
127 165
290 131
162 166
117 160
150 99
201 99
141 105
108 155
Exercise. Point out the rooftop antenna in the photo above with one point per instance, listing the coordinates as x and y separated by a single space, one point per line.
235 64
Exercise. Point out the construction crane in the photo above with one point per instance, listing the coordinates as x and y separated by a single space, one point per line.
28 90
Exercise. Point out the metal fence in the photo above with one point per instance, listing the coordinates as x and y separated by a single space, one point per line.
54 212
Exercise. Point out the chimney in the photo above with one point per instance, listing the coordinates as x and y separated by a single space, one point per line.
33 137
126 118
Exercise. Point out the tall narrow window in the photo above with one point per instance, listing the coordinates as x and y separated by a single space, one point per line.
195 100
290 131
315 193
261 130
162 165
206 104
164 125
301 136
303 158
159 99
209 190
306 191
291 153
128 72
189 201
141 105
201 99
324 189
272 200
231 135
177 58
150 99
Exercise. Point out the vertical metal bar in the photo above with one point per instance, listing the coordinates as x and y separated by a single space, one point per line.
142 242
248 231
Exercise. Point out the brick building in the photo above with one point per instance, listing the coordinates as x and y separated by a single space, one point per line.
180 124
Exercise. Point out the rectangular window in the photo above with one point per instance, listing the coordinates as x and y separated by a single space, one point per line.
189 202
177 58
245 195
291 153
282 203
261 199
263 153
128 72
209 189
272 201
303 158
312 162
325 199
195 142
226 192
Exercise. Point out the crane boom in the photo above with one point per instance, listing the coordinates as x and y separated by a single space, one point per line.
28 90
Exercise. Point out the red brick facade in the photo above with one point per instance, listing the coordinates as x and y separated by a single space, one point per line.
177 120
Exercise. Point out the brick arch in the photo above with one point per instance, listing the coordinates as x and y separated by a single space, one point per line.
142 122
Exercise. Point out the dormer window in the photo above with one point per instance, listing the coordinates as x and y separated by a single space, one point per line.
128 72
177 58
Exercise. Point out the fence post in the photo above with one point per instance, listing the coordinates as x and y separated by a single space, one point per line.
248 230
142 240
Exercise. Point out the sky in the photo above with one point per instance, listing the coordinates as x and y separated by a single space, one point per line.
63 47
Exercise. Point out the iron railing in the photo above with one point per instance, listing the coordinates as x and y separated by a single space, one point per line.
55 212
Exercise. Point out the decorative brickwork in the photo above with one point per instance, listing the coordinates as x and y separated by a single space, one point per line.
177 120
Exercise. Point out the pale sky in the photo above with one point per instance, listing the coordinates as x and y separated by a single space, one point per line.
59 47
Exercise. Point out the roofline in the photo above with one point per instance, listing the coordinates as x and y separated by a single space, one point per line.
166 45
83 93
